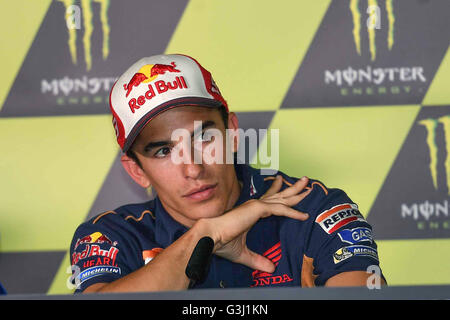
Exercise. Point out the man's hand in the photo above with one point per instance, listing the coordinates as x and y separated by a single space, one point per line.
229 231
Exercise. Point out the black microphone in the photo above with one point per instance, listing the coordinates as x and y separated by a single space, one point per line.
198 265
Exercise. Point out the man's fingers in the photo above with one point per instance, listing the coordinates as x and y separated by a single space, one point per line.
294 189
291 200
280 209
256 261
274 188
295 199
298 186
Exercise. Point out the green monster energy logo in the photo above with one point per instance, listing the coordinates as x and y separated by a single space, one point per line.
431 126
86 8
373 20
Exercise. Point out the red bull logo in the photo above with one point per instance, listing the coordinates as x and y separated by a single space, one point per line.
162 68
134 82
96 237
95 250
148 73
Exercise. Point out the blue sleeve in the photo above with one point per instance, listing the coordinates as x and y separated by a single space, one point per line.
340 239
102 253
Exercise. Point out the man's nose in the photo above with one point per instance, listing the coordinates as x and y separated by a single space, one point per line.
193 165
192 170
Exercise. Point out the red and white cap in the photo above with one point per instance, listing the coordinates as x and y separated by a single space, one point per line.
155 84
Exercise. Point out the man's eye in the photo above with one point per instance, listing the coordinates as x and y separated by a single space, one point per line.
161 153
205 136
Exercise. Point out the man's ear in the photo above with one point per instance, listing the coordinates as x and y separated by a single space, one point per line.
135 171
233 126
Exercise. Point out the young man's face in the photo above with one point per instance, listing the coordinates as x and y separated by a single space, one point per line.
195 187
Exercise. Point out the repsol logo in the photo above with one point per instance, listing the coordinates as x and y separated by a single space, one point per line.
332 219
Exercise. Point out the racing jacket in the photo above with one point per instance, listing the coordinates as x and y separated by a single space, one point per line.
335 238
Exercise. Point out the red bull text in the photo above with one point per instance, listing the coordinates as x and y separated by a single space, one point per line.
159 87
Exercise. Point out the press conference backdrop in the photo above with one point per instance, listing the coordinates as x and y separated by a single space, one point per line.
359 90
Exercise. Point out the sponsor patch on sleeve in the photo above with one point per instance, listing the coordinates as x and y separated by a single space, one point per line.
96 237
354 251
356 235
149 255
97 271
94 255
338 216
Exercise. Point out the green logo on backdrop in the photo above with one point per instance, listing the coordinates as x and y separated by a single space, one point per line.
73 17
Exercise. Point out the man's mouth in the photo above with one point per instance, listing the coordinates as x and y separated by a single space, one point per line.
202 193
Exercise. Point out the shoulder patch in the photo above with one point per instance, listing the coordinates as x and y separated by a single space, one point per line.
354 251
96 237
338 216
356 235
149 255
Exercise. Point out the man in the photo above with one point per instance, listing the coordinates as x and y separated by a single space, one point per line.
267 230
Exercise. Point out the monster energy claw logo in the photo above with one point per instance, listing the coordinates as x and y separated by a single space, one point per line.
86 8
431 126
374 19
432 214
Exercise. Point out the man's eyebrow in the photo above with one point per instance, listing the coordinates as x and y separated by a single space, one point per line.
151 145
205 125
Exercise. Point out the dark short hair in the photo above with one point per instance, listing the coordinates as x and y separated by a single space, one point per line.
132 155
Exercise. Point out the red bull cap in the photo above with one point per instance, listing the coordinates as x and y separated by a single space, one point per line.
155 84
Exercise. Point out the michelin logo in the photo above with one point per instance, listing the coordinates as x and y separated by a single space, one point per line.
354 251
356 235
97 271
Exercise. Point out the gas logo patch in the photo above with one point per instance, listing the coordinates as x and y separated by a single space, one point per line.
356 235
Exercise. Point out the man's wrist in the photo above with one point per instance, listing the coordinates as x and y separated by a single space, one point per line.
204 228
